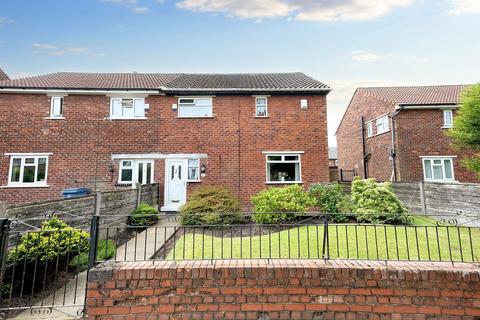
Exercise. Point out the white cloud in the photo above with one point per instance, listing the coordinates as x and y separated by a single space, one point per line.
43 46
363 56
4 20
306 10
464 6
54 50
140 10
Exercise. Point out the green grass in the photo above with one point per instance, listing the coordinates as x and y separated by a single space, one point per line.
421 240
105 250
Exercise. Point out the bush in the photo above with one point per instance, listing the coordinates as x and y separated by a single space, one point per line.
270 203
144 215
331 199
212 205
105 250
376 203
55 239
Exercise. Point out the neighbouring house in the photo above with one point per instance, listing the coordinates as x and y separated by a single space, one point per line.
106 131
3 76
398 134
333 163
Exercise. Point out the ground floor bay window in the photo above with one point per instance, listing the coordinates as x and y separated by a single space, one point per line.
439 169
283 167
135 171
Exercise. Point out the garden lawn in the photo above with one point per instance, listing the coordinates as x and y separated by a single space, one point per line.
421 240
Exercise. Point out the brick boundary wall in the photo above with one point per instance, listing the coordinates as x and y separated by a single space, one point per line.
284 289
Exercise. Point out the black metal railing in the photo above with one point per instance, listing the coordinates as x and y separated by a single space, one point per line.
43 269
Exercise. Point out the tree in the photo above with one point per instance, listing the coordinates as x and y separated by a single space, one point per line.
466 127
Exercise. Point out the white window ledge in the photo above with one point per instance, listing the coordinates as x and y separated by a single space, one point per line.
26 186
378 134
440 181
262 117
55 118
447 127
284 182
194 181
134 118
207 117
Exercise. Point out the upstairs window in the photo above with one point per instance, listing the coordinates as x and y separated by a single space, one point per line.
28 170
369 129
56 108
283 168
194 107
261 107
127 108
382 124
438 169
447 118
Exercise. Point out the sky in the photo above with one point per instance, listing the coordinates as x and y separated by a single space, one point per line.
344 43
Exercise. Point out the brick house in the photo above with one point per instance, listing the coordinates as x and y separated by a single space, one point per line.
107 131
398 134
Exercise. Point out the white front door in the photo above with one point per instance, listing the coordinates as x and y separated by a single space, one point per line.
175 184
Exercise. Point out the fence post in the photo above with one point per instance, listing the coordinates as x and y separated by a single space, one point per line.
98 203
4 228
341 174
92 252
423 200
139 194
326 246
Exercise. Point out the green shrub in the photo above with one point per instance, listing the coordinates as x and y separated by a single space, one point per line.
55 239
105 250
331 199
376 203
269 204
211 205
144 215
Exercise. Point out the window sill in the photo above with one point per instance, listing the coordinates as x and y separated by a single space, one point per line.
260 117
441 181
447 127
378 134
136 118
14 186
194 181
283 182
209 117
55 118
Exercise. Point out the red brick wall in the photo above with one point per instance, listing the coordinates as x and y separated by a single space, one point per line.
349 138
284 289
418 133
421 134
234 139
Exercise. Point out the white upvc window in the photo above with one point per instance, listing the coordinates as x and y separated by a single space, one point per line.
369 129
28 170
261 107
56 107
195 107
447 118
135 171
382 124
284 167
438 169
193 170
127 108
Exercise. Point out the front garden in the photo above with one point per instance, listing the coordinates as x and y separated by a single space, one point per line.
321 222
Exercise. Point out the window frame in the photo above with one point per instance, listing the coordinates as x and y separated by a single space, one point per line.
23 156
52 102
134 167
283 155
198 170
384 124
256 106
369 125
446 125
442 158
179 106
114 117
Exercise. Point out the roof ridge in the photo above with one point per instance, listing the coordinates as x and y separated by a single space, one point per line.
415 86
